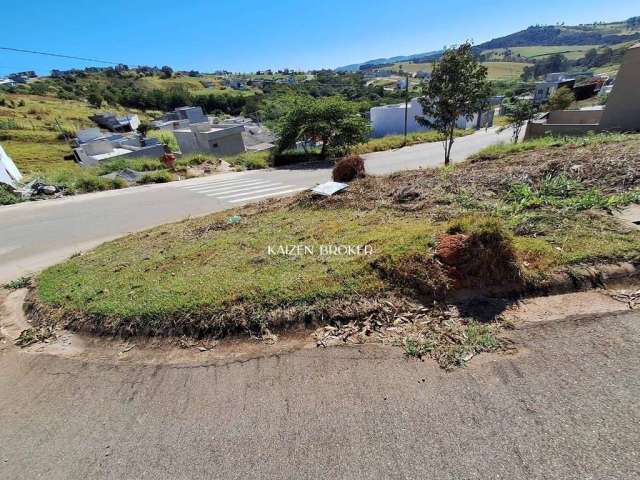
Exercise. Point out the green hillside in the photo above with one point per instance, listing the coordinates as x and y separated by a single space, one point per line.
496 70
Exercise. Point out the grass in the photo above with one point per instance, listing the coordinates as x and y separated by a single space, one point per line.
210 276
504 149
37 143
496 70
392 142
250 160
165 136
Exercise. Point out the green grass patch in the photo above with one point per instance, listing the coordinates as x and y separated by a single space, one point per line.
212 275
166 137
250 160
506 149
392 142
161 176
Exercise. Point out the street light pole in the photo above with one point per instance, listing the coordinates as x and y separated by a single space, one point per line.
406 106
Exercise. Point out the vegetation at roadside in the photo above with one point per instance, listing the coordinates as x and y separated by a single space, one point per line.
549 206
17 284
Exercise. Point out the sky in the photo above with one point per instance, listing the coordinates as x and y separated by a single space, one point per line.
248 35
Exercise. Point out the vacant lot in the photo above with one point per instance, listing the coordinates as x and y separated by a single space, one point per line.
211 275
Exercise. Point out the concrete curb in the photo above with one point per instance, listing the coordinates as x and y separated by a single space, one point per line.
578 279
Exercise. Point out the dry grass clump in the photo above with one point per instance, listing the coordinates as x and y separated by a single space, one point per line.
348 169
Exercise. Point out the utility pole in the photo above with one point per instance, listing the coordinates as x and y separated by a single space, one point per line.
406 106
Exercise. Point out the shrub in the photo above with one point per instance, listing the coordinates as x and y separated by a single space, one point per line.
195 159
137 164
166 137
89 183
162 176
7 196
348 169
250 160
17 284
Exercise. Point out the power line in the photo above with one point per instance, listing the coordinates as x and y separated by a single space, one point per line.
58 55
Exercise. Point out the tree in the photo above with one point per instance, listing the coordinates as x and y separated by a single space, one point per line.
458 88
95 99
518 113
332 121
561 99
167 72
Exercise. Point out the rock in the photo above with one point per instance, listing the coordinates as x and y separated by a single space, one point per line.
406 194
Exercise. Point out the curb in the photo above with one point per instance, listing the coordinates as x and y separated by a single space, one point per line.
578 279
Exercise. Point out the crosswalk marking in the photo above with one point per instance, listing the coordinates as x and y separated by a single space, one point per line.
222 187
218 184
243 189
279 187
257 197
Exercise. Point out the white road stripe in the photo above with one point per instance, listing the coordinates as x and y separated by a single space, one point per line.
279 187
240 189
219 184
238 200
238 186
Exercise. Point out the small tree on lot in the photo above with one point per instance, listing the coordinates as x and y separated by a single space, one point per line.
561 99
95 99
458 88
331 121
518 113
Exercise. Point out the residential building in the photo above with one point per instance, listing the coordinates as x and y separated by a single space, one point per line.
93 148
117 123
389 119
221 140
7 83
552 83
181 117
621 113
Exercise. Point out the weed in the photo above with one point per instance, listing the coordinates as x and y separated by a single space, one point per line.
162 176
22 282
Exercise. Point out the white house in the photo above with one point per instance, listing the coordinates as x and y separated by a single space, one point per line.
7 83
389 119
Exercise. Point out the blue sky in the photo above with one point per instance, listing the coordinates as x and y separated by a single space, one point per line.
247 35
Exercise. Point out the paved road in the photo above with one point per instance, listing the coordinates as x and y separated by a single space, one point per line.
566 407
36 235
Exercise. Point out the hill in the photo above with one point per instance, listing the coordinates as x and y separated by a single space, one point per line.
539 40
594 34
388 61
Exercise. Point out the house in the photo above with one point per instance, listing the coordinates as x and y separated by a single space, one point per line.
422 75
94 147
389 119
181 117
115 123
235 83
621 113
402 84
19 78
7 83
552 83
9 173
221 140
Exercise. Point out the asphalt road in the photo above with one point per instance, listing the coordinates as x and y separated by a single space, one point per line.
566 407
36 235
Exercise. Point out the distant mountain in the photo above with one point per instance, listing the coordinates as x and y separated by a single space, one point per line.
596 34
589 34
387 61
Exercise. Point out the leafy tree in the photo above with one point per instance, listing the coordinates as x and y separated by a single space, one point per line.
561 99
458 88
167 72
518 113
331 120
95 99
